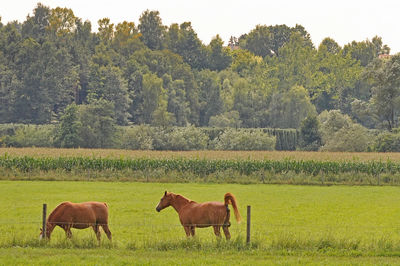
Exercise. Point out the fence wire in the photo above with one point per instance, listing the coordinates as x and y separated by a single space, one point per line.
233 224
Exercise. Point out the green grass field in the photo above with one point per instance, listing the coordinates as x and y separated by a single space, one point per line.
290 225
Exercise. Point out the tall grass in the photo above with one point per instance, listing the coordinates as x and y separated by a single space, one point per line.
287 243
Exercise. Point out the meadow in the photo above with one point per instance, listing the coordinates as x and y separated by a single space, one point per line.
290 225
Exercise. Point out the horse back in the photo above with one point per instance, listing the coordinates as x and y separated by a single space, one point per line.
204 214
99 210
79 213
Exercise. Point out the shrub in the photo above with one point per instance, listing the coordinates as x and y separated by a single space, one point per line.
9 129
354 138
181 138
136 138
340 133
331 122
31 136
233 139
387 142
228 119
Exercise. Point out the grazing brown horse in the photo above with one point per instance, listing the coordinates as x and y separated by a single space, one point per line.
193 214
69 215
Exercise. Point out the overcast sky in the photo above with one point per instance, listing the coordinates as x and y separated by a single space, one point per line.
341 20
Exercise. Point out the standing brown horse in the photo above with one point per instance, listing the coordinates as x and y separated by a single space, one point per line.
193 214
69 215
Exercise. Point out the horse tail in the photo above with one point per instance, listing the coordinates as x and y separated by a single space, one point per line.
230 199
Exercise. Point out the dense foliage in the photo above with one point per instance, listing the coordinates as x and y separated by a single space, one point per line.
144 137
55 69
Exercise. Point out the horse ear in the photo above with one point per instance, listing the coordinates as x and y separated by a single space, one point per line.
165 194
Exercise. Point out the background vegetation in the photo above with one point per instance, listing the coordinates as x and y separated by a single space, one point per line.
158 87
55 69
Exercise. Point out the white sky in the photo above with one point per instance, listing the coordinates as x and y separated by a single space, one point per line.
341 20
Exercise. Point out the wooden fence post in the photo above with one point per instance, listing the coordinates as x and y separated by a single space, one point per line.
44 220
248 224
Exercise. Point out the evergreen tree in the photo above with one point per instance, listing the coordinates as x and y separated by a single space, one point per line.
310 137
69 128
219 57
98 125
152 30
183 40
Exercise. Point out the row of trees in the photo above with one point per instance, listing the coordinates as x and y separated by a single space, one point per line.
271 77
92 126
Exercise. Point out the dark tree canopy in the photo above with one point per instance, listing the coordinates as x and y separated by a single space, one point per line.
55 69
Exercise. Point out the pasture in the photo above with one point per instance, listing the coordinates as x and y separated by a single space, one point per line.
290 224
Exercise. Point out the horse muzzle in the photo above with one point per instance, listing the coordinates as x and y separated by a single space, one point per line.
158 209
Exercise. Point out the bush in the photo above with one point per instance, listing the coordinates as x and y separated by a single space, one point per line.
233 139
228 119
31 136
136 138
340 133
331 122
354 138
387 142
9 129
181 138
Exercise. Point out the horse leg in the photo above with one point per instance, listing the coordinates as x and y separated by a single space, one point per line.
192 230
187 230
106 230
226 224
226 232
67 229
217 230
96 230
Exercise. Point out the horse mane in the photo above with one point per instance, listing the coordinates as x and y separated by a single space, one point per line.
183 197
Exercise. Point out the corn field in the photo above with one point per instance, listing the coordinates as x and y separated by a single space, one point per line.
199 166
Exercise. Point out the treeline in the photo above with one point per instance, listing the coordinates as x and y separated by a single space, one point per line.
144 137
55 69
330 131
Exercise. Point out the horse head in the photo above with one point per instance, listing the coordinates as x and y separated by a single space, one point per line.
41 234
164 202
